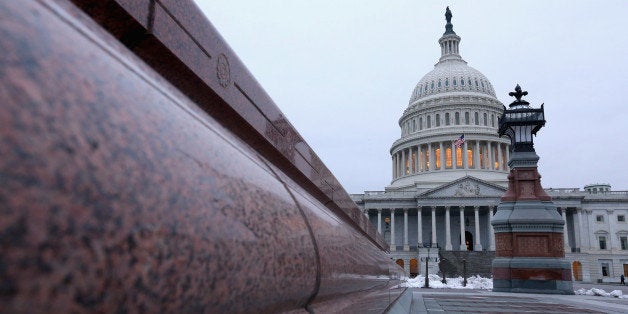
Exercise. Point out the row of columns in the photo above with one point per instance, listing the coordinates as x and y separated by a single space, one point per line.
448 246
421 158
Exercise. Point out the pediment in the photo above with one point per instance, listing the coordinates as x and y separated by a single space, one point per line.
465 187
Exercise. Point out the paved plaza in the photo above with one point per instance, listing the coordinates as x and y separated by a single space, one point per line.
482 301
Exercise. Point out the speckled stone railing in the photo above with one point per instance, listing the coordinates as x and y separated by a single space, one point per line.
143 169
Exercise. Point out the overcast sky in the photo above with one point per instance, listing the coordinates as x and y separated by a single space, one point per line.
342 71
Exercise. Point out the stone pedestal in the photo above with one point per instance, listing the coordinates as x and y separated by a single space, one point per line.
529 235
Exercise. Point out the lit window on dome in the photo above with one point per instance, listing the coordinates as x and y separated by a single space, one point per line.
496 157
470 157
459 157
427 160
448 158
437 159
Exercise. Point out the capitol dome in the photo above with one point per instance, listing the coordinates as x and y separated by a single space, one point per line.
449 129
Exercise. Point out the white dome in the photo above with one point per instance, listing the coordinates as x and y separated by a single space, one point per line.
450 77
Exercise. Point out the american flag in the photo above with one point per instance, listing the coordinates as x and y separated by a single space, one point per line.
459 141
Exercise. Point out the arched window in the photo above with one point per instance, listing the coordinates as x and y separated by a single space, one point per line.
432 85
429 122
439 83
496 157
457 117
446 118
462 81
455 82
485 120
420 123
470 83
476 84
492 120
446 82
437 119
413 125
448 158
466 118
477 119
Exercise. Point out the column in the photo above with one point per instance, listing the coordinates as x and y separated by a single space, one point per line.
500 156
419 224
578 227
465 157
431 157
476 155
491 234
612 241
563 213
491 164
403 162
447 230
379 220
442 157
406 247
434 224
592 238
478 245
416 160
393 246
507 155
463 246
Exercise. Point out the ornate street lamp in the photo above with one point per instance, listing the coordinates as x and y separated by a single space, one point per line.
528 229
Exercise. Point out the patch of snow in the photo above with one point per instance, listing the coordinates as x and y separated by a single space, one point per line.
473 282
600 292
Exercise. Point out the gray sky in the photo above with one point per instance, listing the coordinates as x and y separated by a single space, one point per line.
342 71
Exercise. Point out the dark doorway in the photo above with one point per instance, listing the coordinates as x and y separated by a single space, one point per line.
468 239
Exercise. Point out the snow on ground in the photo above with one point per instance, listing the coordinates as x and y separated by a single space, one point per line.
480 283
602 293
474 282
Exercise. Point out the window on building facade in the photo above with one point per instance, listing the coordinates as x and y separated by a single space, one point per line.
413 166
420 123
457 117
448 158
466 118
437 119
481 152
439 84
621 218
496 157
429 122
492 120
485 120
447 118
477 119
599 218
421 160
413 125
624 243
437 158
455 82
459 157
605 270
446 82
602 240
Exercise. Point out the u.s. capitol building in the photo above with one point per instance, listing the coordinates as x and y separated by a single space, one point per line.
449 171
